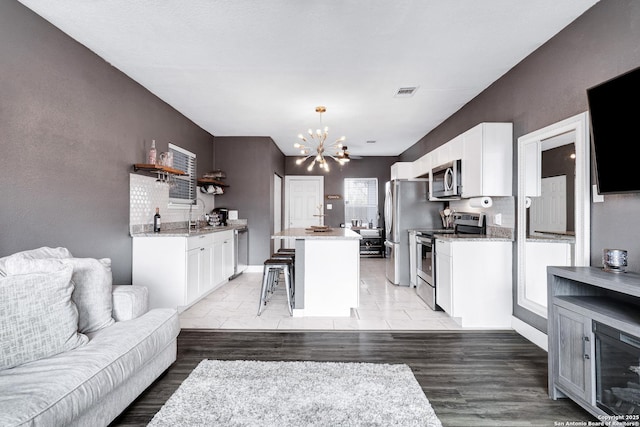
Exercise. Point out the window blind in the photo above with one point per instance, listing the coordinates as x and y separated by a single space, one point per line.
361 200
183 188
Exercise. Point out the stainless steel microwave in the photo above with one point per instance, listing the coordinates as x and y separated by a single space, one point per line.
446 180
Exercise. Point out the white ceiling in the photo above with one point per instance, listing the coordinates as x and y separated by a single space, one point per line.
260 67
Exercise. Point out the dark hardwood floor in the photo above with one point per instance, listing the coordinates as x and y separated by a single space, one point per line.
476 378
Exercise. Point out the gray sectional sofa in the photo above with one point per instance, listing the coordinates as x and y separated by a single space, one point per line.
61 369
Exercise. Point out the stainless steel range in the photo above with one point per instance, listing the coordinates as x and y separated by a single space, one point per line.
463 223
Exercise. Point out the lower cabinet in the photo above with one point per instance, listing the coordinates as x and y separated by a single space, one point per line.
223 261
573 341
473 281
181 270
444 277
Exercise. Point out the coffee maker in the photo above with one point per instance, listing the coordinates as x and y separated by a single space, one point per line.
223 214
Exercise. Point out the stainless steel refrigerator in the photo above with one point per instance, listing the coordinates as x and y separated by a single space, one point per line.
406 206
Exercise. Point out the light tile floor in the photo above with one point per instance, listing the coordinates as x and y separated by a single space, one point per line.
383 307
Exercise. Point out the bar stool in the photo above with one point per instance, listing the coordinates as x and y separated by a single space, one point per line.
287 250
288 255
273 267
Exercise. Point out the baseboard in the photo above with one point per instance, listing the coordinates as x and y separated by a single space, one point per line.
529 332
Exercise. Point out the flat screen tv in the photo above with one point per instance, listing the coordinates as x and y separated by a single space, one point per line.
614 110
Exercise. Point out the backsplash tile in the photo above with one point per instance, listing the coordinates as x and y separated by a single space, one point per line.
501 205
145 194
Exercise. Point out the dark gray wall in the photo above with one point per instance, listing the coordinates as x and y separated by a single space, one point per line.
550 85
71 127
366 167
250 164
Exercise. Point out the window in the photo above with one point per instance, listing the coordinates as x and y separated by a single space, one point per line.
361 200
182 190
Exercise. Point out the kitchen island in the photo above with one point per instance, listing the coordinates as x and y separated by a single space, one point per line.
327 270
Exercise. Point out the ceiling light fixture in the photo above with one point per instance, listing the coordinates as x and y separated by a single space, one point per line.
319 153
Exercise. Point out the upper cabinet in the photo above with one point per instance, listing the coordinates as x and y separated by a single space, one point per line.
487 160
532 169
422 166
402 170
486 151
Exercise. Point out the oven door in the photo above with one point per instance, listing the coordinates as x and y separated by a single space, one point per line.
425 284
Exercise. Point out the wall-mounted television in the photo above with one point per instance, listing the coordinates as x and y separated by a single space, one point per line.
614 110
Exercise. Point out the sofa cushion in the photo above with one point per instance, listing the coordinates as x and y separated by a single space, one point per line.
57 390
40 253
92 281
129 302
38 317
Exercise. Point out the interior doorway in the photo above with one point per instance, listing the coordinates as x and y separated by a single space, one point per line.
548 213
303 206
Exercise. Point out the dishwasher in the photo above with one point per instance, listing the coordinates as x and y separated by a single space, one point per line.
241 246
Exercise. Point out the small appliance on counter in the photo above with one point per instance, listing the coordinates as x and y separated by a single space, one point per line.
223 215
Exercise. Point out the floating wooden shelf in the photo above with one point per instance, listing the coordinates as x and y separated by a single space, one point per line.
157 168
211 181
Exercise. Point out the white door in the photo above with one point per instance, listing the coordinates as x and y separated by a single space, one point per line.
277 209
303 202
549 211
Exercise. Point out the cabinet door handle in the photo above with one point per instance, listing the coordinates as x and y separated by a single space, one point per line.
585 341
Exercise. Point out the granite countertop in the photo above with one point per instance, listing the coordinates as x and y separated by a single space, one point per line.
185 232
473 237
551 238
304 233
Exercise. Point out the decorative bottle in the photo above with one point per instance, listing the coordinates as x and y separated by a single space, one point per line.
152 153
156 221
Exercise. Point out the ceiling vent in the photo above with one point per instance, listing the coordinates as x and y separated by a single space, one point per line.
405 92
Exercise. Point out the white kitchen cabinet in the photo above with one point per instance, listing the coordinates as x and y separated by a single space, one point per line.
402 170
473 281
448 152
444 276
422 166
487 160
222 257
532 169
455 149
194 275
180 270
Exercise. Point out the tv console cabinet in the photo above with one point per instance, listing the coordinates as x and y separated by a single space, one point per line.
580 300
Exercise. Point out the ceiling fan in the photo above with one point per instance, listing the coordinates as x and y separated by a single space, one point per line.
348 155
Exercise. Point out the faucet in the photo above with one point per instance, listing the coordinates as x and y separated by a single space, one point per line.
196 223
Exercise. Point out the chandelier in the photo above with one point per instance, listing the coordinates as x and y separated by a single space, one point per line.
321 151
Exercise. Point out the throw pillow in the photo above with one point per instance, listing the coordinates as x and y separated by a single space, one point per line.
40 253
92 291
38 318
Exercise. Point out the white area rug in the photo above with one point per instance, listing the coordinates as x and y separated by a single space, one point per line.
252 393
